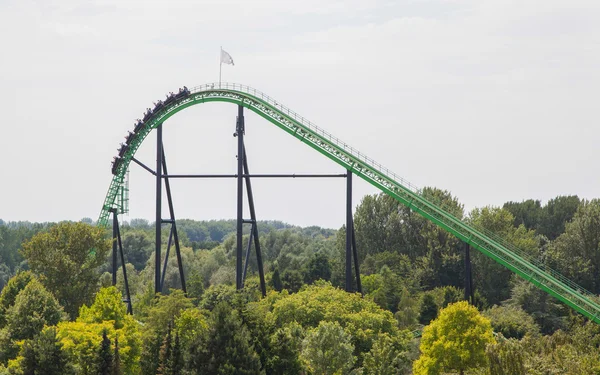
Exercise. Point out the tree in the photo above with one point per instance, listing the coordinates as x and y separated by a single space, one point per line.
556 213
528 213
327 350
164 310
455 341
105 356
276 280
285 345
318 268
493 279
68 257
429 309
108 305
506 357
322 302
576 252
165 353
175 361
512 322
292 280
116 369
137 247
10 292
388 356
44 355
226 348
83 338
34 308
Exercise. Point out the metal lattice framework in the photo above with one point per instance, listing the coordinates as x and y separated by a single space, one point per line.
374 173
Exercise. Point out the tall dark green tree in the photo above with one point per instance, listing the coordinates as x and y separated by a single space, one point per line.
44 355
557 213
318 268
576 253
116 367
276 280
226 349
286 344
105 356
529 213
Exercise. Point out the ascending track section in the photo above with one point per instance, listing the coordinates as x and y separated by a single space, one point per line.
369 170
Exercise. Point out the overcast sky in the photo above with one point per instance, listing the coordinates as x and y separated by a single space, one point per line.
492 100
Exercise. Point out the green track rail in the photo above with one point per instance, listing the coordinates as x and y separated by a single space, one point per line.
374 173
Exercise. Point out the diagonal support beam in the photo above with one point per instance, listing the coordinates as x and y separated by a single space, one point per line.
173 226
254 233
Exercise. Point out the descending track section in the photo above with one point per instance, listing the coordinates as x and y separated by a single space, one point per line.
369 170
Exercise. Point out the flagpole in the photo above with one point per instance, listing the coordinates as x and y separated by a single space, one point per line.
220 65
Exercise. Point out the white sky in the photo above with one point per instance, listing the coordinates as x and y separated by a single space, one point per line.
492 100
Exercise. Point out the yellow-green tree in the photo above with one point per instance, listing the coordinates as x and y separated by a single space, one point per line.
455 341
82 338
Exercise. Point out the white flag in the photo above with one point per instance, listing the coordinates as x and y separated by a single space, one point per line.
226 58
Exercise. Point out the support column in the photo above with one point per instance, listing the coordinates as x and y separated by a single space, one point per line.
349 231
159 157
469 293
240 197
114 247
355 255
129 303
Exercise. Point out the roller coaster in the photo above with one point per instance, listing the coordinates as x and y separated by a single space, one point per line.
354 162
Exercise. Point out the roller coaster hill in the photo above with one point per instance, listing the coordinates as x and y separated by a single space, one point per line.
353 162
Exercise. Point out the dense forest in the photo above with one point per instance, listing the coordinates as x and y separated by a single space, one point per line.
60 314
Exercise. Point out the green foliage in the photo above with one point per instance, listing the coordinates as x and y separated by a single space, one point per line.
327 349
408 310
286 344
276 281
137 247
10 292
322 302
387 357
512 322
429 309
85 338
68 257
165 309
493 279
190 323
455 341
292 280
44 355
558 212
104 360
195 286
108 305
34 308
576 253
318 268
165 354
506 357
528 213
548 313
385 289
226 348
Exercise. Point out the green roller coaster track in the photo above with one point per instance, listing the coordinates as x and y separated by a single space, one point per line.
349 158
